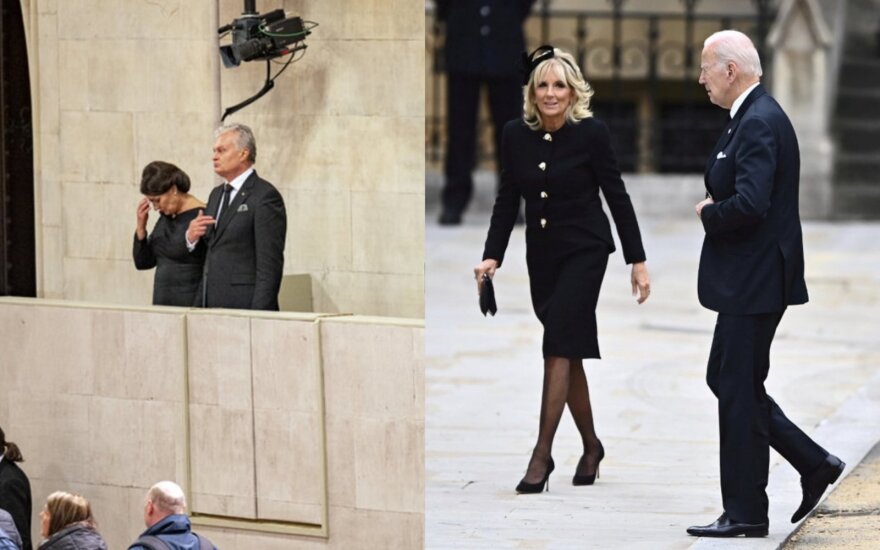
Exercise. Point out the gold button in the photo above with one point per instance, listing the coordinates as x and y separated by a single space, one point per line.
544 195
543 166
548 137
543 223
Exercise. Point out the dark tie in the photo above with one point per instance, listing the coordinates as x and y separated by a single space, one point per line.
227 189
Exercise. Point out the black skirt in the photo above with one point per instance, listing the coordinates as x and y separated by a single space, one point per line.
565 291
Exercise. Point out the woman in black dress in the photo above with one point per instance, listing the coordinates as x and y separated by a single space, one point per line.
178 271
558 157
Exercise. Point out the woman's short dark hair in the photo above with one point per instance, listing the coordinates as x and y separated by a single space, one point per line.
159 176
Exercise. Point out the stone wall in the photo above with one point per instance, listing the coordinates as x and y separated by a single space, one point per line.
286 430
117 84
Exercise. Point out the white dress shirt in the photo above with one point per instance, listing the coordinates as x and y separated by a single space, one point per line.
236 184
739 101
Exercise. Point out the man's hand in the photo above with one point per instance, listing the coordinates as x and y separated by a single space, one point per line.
198 227
143 213
487 266
701 204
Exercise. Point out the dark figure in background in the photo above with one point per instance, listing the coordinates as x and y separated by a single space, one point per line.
244 230
751 270
178 272
558 158
15 490
484 42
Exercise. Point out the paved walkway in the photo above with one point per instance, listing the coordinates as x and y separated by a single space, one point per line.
849 519
654 413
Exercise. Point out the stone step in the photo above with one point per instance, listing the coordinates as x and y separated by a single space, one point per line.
856 167
857 201
859 140
861 73
851 104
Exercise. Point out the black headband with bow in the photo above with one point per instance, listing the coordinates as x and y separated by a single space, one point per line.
532 60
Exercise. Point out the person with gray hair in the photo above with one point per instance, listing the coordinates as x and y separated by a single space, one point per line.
751 270
168 527
243 231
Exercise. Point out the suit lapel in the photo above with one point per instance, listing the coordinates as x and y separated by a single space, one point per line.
240 198
730 130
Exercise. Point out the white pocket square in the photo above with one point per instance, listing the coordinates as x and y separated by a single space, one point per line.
242 208
721 155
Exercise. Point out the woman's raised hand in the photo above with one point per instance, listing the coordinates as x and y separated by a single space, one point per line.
143 213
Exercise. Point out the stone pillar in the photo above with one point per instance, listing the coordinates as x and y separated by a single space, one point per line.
800 41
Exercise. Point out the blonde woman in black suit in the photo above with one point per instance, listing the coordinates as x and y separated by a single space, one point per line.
558 157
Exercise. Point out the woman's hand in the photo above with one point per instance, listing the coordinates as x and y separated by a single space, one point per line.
488 267
641 282
143 213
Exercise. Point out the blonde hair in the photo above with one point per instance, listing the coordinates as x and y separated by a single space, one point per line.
579 107
67 508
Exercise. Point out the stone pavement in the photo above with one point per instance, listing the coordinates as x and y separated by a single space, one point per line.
654 413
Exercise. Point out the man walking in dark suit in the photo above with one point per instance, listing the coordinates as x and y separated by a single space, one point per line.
244 230
484 43
751 270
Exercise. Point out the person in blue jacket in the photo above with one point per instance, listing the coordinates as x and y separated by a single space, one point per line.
9 537
168 526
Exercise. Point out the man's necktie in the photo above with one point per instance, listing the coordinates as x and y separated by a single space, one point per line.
227 189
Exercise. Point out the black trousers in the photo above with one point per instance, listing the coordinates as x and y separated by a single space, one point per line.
462 102
749 420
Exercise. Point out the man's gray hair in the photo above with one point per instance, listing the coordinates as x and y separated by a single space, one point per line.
736 47
168 497
244 138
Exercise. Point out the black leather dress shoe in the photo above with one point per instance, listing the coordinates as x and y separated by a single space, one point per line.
726 527
814 485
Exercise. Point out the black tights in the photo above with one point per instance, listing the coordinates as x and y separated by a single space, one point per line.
564 382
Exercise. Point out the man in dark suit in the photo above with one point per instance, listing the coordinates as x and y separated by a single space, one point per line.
484 43
751 270
244 230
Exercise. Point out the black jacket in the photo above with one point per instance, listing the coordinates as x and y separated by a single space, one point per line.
753 254
578 162
484 37
15 498
245 250
178 271
76 536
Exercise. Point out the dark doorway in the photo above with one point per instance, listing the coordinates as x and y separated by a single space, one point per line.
17 256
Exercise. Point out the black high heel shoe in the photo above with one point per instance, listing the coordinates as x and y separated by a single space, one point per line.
584 479
525 487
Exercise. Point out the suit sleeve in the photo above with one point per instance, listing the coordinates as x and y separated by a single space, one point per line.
506 204
143 254
755 169
270 231
611 183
